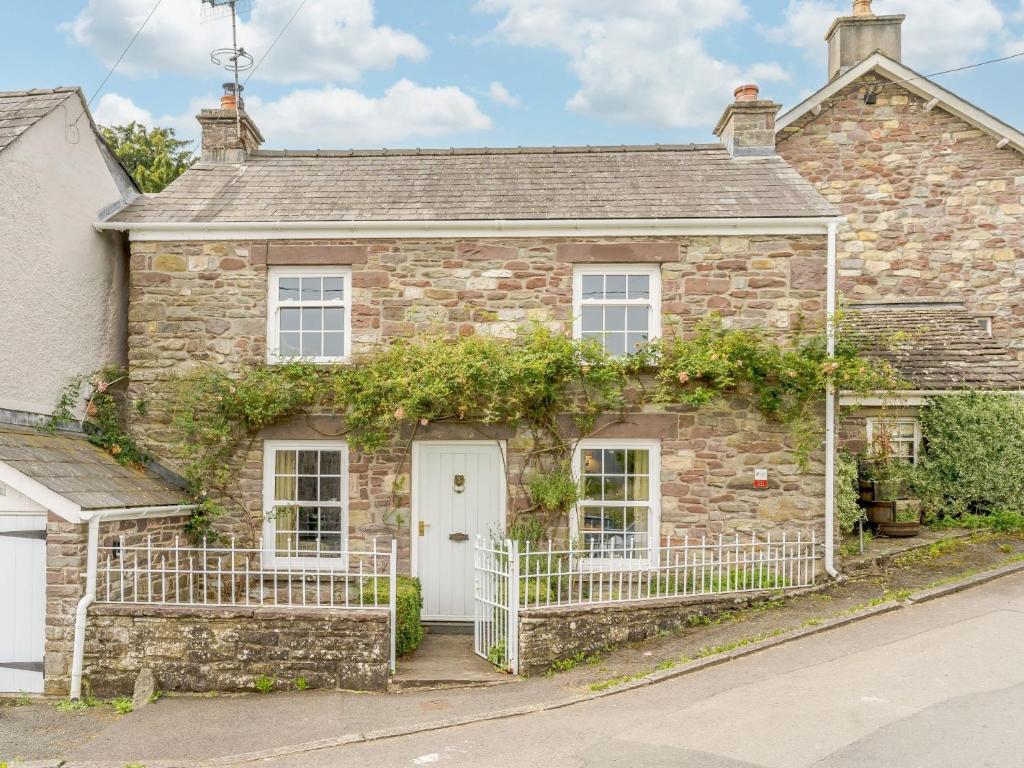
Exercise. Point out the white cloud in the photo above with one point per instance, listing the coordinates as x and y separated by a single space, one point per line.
114 109
333 40
500 95
642 61
331 117
937 35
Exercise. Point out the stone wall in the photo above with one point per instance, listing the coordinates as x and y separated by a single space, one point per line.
196 302
216 649
66 550
551 634
932 209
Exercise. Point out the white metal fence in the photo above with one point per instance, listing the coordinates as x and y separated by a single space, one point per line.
232 576
578 576
511 577
496 621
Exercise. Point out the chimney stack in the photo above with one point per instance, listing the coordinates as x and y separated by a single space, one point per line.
229 134
747 128
851 39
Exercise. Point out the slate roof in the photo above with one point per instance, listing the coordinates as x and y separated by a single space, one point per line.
20 110
638 182
81 472
935 346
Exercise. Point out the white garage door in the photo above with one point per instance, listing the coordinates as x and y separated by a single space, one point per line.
22 602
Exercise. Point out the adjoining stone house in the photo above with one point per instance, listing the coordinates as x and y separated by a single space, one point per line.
936 348
65 315
253 257
931 192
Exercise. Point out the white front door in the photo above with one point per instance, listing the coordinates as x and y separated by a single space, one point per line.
22 602
458 493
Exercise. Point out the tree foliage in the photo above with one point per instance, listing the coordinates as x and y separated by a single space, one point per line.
153 157
973 462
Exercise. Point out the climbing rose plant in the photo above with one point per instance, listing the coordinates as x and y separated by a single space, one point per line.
554 386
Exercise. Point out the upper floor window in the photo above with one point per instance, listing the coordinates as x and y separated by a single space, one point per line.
309 314
901 438
617 306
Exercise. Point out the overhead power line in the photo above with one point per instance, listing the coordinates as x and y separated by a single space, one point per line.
876 89
120 58
279 34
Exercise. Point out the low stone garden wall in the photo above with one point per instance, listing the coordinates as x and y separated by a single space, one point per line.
198 649
547 635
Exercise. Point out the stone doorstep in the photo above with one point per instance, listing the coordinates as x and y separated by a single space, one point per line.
445 660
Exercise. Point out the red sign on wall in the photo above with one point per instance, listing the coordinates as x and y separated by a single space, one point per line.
760 478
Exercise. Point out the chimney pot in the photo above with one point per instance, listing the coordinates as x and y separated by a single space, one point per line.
228 134
747 92
852 39
747 128
862 8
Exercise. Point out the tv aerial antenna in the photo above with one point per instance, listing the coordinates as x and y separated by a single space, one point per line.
234 59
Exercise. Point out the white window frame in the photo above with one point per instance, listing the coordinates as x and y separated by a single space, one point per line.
270 557
653 271
872 424
274 305
654 504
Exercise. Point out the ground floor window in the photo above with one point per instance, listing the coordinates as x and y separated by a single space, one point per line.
618 515
305 502
901 436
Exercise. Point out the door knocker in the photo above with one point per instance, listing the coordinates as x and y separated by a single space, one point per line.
460 483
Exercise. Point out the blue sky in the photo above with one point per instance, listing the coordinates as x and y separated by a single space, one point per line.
403 73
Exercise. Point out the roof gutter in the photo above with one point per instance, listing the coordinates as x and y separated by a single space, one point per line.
912 397
304 230
94 518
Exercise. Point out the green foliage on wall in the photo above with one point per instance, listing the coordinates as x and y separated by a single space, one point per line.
100 394
544 381
973 462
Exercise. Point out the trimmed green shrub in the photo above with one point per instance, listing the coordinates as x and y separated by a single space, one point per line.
408 604
973 462
848 511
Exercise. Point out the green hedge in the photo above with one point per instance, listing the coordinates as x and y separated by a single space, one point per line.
973 459
409 603
409 632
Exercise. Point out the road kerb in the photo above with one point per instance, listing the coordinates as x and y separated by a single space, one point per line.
970 581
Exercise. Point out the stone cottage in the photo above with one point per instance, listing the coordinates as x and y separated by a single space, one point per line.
931 194
256 257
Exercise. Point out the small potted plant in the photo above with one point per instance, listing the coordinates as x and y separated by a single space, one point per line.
883 479
906 522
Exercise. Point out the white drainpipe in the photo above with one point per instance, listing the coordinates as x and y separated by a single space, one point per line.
83 606
830 406
82 611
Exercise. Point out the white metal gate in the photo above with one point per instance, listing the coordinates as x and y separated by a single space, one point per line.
496 582
22 602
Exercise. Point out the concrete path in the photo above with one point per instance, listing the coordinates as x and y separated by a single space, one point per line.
938 684
445 660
